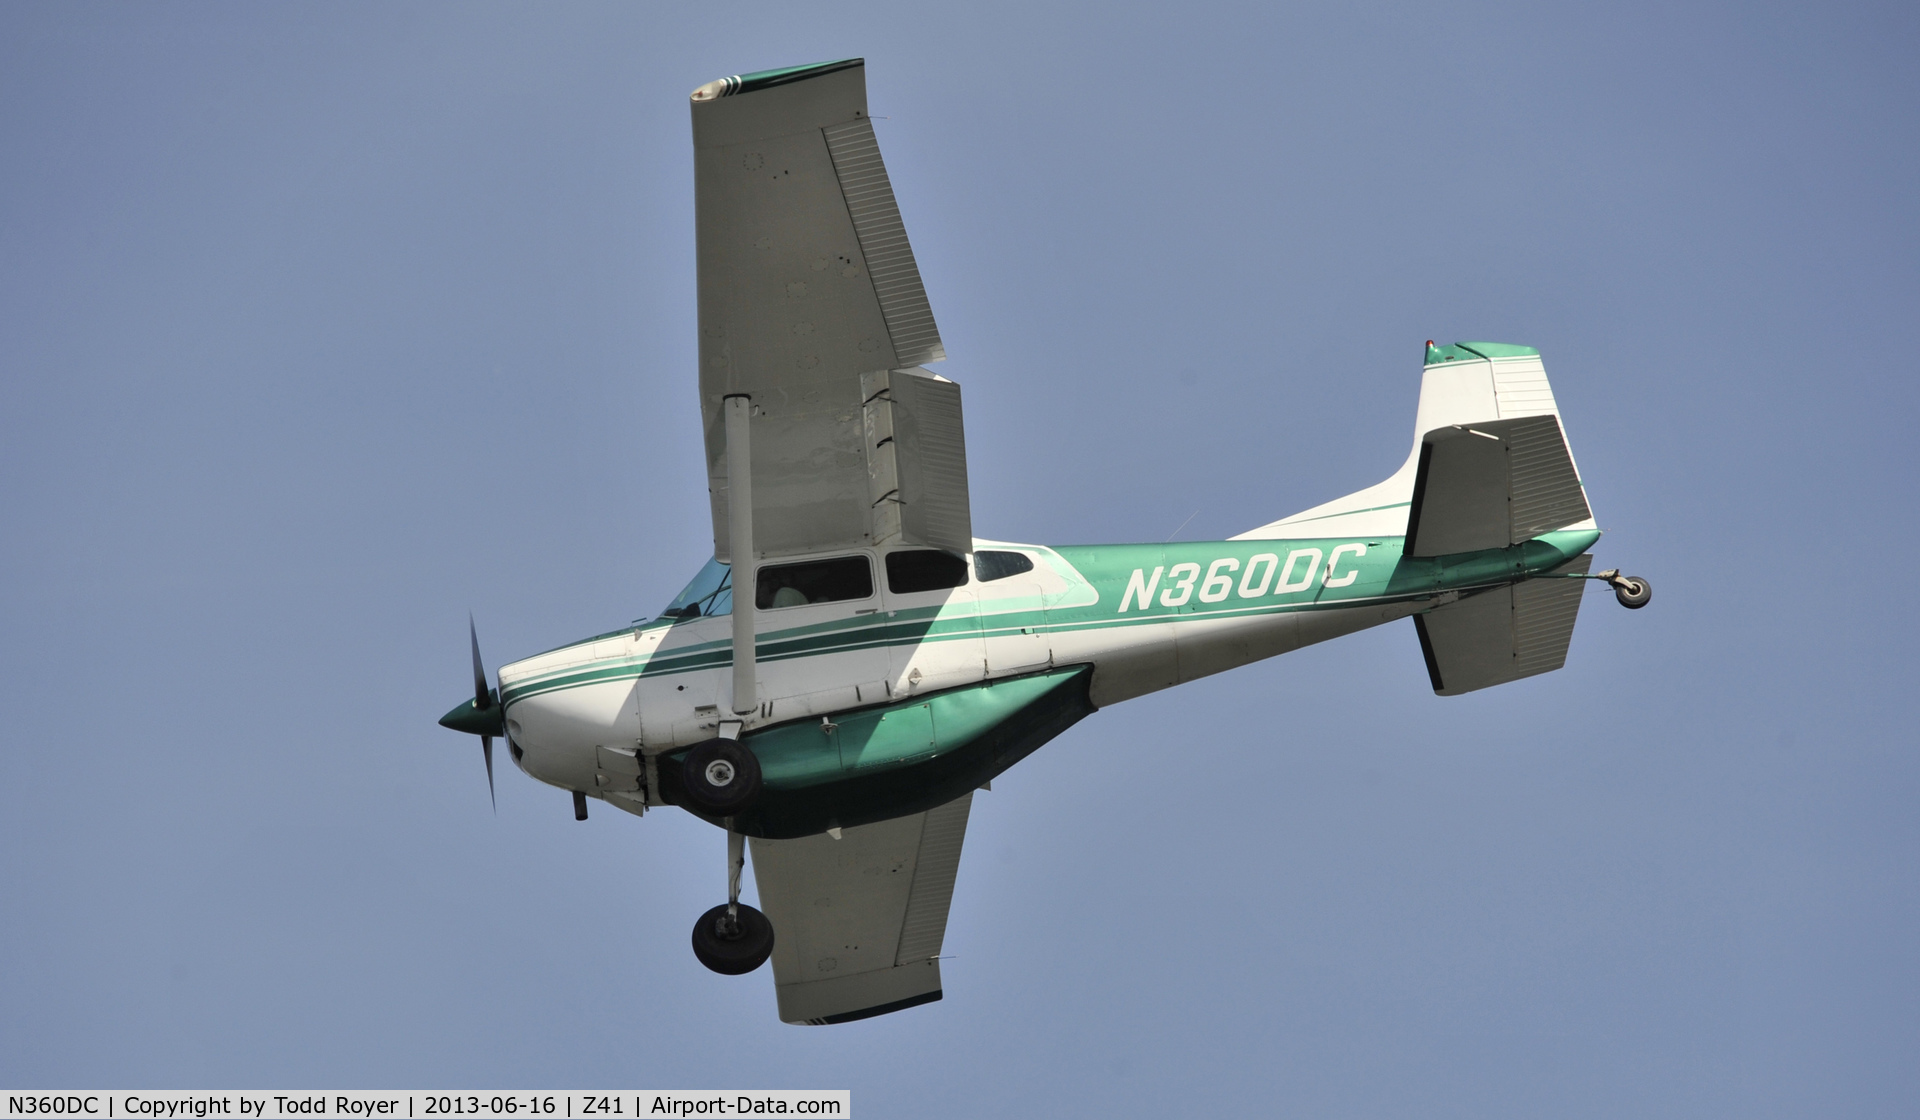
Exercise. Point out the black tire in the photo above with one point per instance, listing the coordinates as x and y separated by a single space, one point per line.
733 948
720 777
1633 592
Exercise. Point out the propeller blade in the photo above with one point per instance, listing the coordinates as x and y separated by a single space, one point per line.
481 697
486 752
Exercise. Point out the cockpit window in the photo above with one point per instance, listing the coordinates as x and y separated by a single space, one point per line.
816 581
710 593
990 566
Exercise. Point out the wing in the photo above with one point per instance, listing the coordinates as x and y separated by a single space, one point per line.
858 921
811 304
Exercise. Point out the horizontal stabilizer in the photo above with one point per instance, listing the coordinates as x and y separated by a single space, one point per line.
1502 635
1492 484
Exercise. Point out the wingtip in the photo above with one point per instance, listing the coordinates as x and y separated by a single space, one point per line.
748 83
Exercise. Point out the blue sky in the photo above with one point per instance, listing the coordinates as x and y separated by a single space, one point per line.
322 325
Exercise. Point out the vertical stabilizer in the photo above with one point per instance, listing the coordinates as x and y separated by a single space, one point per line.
1463 384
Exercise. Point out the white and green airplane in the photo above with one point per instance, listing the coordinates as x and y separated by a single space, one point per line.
886 662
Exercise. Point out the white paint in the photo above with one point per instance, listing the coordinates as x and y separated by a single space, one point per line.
1216 586
1183 584
1333 561
1141 586
1310 569
1267 564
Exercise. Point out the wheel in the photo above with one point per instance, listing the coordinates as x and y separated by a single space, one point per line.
733 947
1633 592
721 777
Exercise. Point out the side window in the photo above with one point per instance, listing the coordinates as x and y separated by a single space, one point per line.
990 566
816 581
924 570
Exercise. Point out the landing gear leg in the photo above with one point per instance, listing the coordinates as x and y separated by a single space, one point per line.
733 939
736 863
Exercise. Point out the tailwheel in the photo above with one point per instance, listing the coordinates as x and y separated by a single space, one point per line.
733 939
1632 591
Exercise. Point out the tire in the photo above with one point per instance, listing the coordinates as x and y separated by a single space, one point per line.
720 777
1633 592
733 952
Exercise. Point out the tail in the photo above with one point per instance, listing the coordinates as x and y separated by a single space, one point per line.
1467 389
1490 468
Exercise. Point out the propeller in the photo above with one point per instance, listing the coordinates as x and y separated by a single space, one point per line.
482 700
483 715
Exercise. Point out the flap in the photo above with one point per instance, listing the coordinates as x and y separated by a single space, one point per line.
1492 484
917 461
858 922
806 282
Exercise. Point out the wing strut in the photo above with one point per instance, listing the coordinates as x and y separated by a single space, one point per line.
740 544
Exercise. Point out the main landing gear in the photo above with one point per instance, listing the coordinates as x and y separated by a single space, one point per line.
721 777
733 939
1632 591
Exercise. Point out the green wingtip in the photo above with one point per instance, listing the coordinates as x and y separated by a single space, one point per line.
1471 351
764 79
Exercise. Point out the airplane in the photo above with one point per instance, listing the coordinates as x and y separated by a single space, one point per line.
885 662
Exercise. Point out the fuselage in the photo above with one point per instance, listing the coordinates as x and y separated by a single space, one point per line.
598 714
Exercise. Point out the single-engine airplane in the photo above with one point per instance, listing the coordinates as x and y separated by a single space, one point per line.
885 662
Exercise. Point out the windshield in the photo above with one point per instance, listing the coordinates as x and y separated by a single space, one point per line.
710 593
